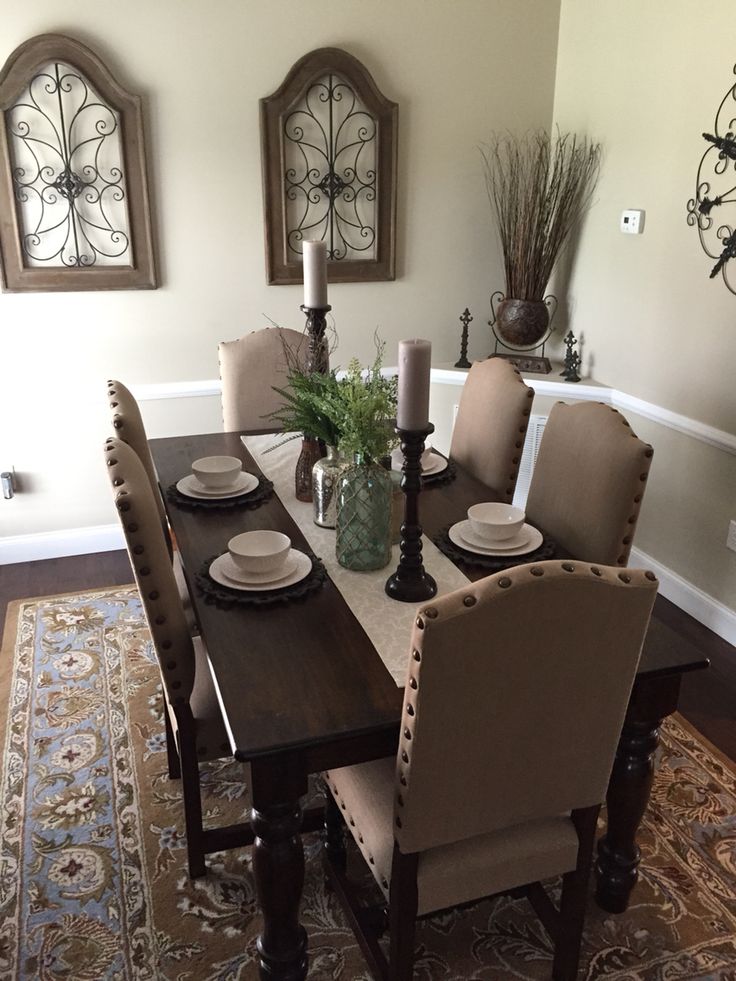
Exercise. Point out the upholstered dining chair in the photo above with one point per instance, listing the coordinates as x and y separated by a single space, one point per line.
249 368
515 696
589 481
491 424
195 731
128 425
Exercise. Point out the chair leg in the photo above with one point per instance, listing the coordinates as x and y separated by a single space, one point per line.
402 916
574 899
333 835
172 753
192 799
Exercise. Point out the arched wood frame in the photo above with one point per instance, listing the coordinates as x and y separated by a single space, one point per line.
281 265
18 276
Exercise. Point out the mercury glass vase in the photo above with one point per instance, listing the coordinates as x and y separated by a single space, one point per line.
311 452
363 538
325 475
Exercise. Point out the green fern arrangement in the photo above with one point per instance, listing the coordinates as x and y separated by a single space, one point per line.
356 413
363 408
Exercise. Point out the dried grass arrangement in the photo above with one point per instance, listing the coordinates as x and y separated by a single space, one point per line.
539 188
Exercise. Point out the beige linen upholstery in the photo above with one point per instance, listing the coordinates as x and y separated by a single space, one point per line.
516 691
195 727
589 481
249 368
489 433
128 425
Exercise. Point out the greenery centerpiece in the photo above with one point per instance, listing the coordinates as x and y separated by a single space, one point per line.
539 187
354 414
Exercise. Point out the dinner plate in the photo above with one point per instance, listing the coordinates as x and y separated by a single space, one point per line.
471 537
436 465
528 540
191 487
301 571
231 570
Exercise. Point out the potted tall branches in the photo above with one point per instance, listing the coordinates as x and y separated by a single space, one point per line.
539 187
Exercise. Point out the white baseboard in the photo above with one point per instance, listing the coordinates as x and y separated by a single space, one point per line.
713 614
55 544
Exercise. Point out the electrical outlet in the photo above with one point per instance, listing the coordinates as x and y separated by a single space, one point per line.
731 537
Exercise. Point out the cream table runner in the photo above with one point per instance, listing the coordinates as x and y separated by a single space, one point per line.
387 622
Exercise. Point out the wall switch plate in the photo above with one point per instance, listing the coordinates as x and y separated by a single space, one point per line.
632 221
731 537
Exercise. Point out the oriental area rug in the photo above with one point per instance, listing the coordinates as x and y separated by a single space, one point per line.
93 881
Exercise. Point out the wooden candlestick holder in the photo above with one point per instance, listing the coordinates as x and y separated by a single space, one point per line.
318 355
410 583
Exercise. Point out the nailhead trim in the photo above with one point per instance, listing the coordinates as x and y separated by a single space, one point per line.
409 709
650 576
469 601
138 550
568 567
595 570
504 583
420 624
624 577
416 655
536 571
404 756
413 683
430 613
407 734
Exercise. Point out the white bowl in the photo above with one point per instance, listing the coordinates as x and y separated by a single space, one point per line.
217 471
427 457
496 522
259 551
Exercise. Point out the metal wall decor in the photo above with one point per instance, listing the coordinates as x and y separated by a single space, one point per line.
715 189
328 141
74 211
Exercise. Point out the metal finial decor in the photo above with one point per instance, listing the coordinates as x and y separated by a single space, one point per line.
572 359
411 583
465 319
715 192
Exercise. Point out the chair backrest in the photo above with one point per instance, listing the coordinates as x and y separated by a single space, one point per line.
128 426
249 368
154 576
515 698
491 424
589 481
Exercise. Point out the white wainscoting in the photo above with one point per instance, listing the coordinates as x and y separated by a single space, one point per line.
709 611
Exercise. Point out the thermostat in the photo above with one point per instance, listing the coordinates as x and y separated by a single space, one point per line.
632 221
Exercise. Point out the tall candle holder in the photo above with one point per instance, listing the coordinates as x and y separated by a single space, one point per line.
318 355
411 583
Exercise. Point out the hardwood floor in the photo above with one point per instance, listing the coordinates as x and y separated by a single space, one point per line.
708 698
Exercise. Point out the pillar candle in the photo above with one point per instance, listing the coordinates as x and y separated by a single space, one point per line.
315 274
415 358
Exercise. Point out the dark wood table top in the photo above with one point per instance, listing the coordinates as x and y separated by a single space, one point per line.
304 676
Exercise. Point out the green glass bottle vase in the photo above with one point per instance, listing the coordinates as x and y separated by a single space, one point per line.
363 531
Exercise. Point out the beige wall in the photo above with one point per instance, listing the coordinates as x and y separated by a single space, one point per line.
637 77
646 80
457 70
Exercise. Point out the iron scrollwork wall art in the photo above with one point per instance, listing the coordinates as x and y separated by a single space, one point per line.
74 211
328 140
715 189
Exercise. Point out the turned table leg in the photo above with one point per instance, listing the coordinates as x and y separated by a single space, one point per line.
629 787
278 867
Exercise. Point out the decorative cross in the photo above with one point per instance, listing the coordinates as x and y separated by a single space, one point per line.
465 319
572 359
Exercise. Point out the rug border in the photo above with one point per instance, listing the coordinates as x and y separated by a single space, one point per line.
722 757
10 637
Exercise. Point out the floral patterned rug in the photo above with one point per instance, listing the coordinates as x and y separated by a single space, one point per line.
93 881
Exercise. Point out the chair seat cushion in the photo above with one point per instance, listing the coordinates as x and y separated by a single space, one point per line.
459 872
211 736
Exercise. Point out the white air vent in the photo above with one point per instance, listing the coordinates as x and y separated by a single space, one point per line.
529 458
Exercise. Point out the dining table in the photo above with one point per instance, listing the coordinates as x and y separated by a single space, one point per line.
303 689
